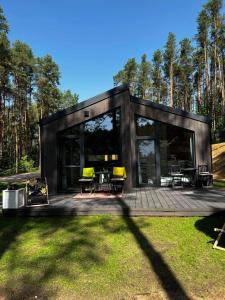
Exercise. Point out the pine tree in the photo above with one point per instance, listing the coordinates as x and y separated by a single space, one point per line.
4 26
198 76
169 62
143 82
203 47
158 84
213 8
23 77
67 99
47 81
185 75
5 67
128 75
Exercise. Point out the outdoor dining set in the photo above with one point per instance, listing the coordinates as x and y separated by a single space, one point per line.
191 176
103 180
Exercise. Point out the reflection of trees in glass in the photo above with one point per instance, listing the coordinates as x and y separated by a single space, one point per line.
145 127
106 122
146 149
102 135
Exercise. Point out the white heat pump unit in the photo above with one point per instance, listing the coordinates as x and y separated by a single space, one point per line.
13 199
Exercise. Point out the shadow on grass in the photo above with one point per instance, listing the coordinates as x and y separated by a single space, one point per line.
207 225
32 260
166 276
34 270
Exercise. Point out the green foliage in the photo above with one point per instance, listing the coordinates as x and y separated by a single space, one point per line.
144 73
47 80
25 165
4 26
183 76
28 91
170 54
128 75
158 83
67 99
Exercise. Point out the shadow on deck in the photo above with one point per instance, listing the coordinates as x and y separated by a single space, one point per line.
141 201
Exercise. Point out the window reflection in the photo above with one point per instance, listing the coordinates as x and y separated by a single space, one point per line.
175 146
102 141
145 127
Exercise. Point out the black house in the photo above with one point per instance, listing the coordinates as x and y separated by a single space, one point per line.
117 129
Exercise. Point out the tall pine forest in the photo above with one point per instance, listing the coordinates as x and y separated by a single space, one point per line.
187 74
29 91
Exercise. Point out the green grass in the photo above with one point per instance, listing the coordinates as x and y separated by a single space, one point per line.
219 184
109 257
9 172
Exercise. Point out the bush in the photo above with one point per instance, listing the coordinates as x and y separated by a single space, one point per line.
25 165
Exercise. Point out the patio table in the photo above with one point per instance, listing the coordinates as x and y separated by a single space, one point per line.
103 180
191 174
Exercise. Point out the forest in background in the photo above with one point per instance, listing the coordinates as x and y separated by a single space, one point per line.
29 90
188 75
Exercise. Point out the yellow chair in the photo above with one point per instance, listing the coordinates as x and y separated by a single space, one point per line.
88 173
118 178
87 180
119 172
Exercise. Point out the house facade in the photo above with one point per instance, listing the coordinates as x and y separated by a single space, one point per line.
117 129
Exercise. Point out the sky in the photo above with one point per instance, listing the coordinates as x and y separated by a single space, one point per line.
91 40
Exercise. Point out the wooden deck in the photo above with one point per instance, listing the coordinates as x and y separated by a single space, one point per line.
142 201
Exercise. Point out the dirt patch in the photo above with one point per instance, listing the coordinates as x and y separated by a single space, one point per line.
25 293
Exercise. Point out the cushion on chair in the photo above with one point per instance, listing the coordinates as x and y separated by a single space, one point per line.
88 172
119 172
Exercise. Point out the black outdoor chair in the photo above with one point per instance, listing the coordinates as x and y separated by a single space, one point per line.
205 178
177 176
87 180
37 192
118 178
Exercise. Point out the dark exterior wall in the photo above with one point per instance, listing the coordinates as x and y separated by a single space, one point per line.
128 108
49 132
201 130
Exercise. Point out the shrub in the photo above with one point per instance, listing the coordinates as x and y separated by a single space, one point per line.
25 165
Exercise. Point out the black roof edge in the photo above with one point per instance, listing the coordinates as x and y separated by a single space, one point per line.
172 110
61 113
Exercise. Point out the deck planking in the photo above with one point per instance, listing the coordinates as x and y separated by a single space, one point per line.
147 201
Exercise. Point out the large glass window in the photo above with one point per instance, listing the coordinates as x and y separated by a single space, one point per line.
102 141
95 143
160 145
176 147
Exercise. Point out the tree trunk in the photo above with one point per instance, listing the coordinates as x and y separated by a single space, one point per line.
1 126
206 79
16 148
171 84
199 100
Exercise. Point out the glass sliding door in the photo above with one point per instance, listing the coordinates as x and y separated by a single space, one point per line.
69 159
146 155
160 146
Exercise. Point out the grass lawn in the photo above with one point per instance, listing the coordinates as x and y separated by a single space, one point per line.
110 257
219 184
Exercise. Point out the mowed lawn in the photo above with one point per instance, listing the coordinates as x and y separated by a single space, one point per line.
110 257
